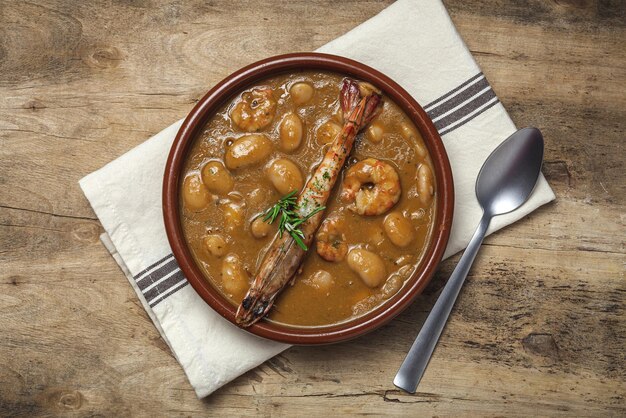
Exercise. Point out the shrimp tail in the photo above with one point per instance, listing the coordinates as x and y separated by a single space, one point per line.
350 95
352 92
360 102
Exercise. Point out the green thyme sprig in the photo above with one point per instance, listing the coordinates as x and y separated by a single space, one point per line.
289 220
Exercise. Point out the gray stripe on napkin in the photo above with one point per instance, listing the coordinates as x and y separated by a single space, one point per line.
160 280
162 287
452 92
157 275
465 94
471 116
465 110
151 267
169 293
461 104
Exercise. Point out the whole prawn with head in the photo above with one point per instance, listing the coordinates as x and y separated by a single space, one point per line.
359 102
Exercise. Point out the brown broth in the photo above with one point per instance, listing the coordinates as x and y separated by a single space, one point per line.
300 303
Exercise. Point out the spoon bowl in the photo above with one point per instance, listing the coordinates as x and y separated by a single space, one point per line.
509 175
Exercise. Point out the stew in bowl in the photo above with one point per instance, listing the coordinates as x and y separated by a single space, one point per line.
308 198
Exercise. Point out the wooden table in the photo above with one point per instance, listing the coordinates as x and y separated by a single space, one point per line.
539 327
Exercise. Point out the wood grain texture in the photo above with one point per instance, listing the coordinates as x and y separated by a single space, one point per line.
539 328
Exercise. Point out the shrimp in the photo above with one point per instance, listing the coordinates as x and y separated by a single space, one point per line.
331 241
380 197
255 110
360 102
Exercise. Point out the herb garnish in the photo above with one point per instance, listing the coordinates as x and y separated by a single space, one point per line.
289 220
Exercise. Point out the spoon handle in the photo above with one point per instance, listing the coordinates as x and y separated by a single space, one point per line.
414 365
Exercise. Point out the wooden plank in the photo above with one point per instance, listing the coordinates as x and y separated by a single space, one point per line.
539 328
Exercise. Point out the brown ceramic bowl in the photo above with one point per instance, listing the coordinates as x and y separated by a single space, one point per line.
227 89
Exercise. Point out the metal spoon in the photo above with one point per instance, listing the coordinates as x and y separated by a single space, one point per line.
504 183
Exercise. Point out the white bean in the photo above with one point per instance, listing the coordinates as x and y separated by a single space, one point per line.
409 133
399 229
247 150
285 176
233 216
301 93
368 265
217 178
291 132
259 228
234 276
375 132
327 132
320 280
216 245
425 186
195 194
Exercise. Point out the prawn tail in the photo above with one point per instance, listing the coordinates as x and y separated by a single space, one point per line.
350 95
372 105
360 101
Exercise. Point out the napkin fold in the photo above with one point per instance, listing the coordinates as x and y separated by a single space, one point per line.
413 42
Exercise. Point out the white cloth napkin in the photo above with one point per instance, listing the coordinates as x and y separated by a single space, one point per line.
413 42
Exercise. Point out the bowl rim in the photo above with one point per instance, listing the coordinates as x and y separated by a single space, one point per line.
232 85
